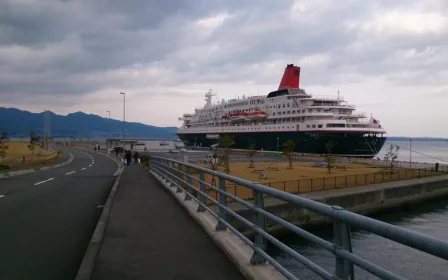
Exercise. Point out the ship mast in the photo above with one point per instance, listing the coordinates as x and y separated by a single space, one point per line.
208 98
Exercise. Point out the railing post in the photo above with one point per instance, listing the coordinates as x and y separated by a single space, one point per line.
202 198
259 222
188 184
181 177
172 173
342 240
223 202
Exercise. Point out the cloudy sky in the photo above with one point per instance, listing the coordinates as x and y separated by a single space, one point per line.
389 57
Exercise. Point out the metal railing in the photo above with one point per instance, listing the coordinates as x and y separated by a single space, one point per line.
180 176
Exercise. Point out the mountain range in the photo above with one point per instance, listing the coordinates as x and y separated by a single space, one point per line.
18 123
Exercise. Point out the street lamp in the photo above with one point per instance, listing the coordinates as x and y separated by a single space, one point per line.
108 134
124 116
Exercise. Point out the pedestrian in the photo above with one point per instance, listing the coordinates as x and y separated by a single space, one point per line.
128 156
136 157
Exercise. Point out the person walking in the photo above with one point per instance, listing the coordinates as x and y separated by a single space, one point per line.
128 157
136 157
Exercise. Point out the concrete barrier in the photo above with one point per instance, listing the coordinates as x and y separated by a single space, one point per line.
363 200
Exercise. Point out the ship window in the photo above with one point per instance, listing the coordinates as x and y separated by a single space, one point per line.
319 126
283 105
288 104
273 114
307 126
294 111
314 126
289 112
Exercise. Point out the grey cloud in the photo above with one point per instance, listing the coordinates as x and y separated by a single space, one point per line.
63 48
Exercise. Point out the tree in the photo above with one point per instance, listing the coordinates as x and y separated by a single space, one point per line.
250 153
34 140
4 139
225 143
329 158
391 157
288 149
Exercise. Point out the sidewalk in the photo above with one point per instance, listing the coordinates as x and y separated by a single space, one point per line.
150 236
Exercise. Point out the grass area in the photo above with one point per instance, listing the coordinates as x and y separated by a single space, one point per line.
305 177
19 155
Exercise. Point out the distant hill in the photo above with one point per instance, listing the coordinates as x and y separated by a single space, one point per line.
20 123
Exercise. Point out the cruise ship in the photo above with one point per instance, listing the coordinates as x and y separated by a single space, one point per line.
289 113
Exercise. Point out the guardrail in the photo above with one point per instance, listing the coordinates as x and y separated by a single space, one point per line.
179 175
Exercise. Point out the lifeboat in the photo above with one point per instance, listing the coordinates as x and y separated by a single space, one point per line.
256 115
239 116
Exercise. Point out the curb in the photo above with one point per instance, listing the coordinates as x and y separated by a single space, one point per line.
32 170
235 249
86 268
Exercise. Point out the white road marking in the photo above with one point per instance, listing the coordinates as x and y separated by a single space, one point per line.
100 206
90 165
68 173
41 182
1 195
83 168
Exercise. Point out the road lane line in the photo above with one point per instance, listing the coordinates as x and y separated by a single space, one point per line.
41 182
90 165
68 173
83 168
1 195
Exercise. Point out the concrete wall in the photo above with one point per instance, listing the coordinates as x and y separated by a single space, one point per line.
363 200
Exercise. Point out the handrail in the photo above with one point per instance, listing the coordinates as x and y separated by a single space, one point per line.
179 175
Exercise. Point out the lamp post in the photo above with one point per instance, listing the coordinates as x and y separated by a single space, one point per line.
108 134
124 117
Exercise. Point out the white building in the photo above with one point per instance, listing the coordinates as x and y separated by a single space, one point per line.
145 144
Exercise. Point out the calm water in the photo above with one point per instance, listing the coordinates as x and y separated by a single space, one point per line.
430 219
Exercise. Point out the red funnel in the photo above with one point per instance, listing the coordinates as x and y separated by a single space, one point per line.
290 78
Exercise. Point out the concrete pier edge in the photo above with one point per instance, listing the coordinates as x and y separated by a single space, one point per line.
37 169
88 262
235 249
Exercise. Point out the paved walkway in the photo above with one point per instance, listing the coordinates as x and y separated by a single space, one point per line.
150 236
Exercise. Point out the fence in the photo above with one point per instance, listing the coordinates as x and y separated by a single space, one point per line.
328 183
179 175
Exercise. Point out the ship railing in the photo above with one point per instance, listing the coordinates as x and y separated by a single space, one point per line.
328 97
192 182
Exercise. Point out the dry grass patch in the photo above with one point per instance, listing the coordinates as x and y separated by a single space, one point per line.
305 177
17 151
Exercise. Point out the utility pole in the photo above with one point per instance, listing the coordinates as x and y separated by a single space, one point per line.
47 130
108 135
410 152
124 117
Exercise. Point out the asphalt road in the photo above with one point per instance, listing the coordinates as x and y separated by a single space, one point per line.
47 218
